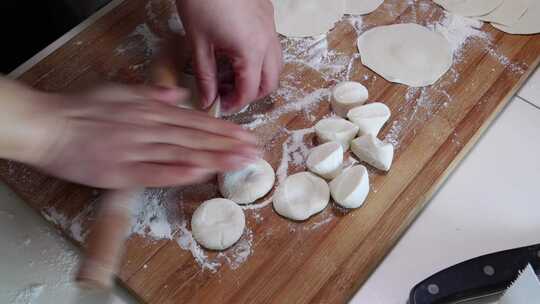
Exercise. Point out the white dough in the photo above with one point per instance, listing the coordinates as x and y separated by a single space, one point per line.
218 223
361 7
406 53
347 95
351 187
529 23
371 150
301 195
248 184
303 18
336 129
508 13
326 160
469 8
369 118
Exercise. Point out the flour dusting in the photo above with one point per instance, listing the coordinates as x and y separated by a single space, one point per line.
28 295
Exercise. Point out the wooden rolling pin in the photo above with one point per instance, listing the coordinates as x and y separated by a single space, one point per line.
105 244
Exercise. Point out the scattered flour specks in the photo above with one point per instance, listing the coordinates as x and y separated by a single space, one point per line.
28 295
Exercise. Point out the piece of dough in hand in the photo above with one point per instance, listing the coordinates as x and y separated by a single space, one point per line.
218 223
371 150
326 160
369 118
336 129
347 95
301 196
351 187
246 185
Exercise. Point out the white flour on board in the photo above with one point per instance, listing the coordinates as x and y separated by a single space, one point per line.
28 295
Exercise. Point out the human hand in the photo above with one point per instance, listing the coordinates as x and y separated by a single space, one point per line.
122 137
244 32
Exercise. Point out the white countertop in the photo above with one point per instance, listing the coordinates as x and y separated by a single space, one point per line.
490 203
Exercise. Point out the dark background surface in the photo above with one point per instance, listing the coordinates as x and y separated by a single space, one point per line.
28 26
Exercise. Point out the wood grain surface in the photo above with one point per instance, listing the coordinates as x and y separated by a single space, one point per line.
327 258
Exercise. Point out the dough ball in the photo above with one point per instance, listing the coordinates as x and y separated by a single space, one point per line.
361 7
300 196
218 223
246 185
336 129
528 23
296 18
469 8
351 187
369 118
326 160
347 95
371 150
508 13
406 53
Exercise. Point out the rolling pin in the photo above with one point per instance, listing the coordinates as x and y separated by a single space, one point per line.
105 245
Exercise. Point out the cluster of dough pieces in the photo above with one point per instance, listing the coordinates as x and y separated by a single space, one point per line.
219 223
511 16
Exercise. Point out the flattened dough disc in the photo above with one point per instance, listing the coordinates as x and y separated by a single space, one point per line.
361 7
406 53
508 13
469 8
529 23
303 18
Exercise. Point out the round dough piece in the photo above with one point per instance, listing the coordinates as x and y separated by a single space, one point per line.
529 23
361 7
347 95
295 18
326 160
369 118
218 223
508 13
470 8
406 53
336 129
351 187
371 150
248 184
301 196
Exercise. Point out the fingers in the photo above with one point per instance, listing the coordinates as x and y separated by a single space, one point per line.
206 73
271 70
247 78
160 175
171 96
212 160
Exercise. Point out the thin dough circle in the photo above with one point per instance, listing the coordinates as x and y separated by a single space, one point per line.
469 8
218 223
361 7
248 184
406 53
306 18
529 23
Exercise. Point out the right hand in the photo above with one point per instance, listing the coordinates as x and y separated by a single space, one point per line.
122 137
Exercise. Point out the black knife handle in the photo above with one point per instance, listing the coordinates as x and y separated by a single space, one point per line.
483 275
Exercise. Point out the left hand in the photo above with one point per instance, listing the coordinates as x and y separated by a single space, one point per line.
244 32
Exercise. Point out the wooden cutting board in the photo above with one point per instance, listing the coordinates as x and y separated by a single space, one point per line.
327 258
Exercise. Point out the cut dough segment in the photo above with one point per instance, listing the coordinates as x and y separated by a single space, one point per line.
351 187
248 184
218 223
369 118
336 129
469 8
371 150
347 95
361 7
508 13
295 18
529 23
301 195
406 53
326 160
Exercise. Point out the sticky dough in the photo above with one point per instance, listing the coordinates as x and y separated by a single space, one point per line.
301 196
218 223
296 18
351 187
361 7
469 8
336 129
248 184
508 13
326 160
369 118
529 23
347 95
371 150
406 53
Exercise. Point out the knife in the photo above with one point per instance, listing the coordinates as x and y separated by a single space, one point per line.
486 276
